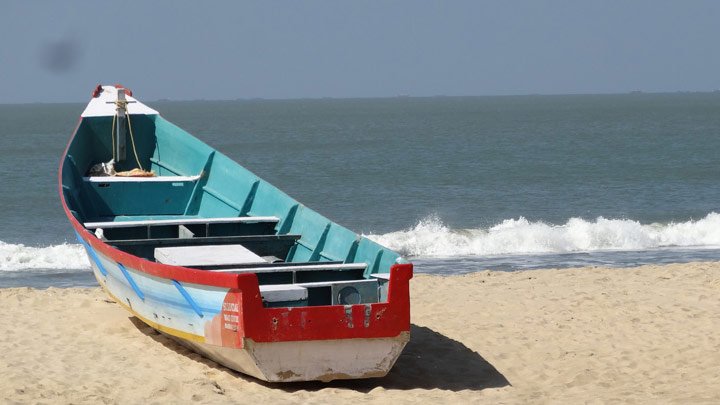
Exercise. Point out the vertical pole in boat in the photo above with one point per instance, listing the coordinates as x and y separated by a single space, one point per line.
121 125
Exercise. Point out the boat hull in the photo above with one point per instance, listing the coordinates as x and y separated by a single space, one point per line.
157 302
323 360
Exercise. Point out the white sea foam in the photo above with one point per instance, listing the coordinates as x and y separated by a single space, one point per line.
20 257
430 237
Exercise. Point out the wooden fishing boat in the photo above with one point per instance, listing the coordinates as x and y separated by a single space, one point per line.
206 252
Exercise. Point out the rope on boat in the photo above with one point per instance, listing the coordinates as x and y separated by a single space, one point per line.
123 104
112 136
132 140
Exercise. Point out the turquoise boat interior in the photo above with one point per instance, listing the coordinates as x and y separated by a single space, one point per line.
200 200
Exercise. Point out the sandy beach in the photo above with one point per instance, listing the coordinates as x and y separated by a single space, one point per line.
645 334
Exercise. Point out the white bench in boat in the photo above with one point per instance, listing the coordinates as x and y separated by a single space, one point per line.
208 255
229 255
179 221
123 179
223 255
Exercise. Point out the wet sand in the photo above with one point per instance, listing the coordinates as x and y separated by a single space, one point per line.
645 334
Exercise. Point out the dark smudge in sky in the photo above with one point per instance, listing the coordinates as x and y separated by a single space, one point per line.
60 56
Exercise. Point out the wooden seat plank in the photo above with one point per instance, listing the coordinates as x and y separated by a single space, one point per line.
154 179
206 240
299 267
179 221
283 292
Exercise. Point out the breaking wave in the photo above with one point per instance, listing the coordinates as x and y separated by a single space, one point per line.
430 237
15 257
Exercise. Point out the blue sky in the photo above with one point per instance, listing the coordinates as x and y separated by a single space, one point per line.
57 51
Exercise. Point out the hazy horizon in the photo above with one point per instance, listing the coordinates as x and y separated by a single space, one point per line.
402 96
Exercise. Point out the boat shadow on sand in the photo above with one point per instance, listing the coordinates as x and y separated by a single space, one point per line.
431 360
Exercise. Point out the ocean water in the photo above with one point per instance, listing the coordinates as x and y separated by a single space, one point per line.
457 184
